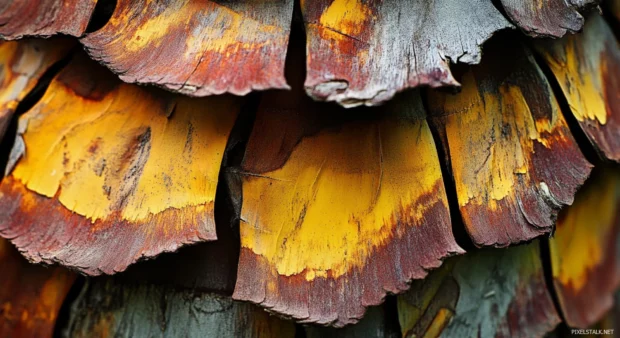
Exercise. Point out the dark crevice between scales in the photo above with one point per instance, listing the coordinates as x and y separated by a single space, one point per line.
64 314
300 331
584 143
458 226
545 257
500 8
6 144
612 21
101 15
392 324
589 152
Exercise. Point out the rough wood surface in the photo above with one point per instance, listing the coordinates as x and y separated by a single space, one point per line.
19 18
339 208
197 47
30 295
551 18
587 67
21 66
363 52
585 251
489 293
107 308
373 325
511 153
107 173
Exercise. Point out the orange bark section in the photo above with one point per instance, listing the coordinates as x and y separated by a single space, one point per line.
30 295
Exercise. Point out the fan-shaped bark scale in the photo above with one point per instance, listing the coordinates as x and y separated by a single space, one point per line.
338 211
151 310
196 47
107 173
511 153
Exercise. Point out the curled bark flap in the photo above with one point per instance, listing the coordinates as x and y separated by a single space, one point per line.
21 65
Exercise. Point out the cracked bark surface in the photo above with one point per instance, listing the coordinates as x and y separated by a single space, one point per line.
197 47
108 173
109 308
587 68
364 52
552 18
338 208
19 18
338 211
518 163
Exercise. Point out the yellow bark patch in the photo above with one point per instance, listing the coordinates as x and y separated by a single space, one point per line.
127 153
439 323
509 147
587 68
584 250
336 198
21 65
226 27
500 129
196 47
580 241
581 80
426 291
346 16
